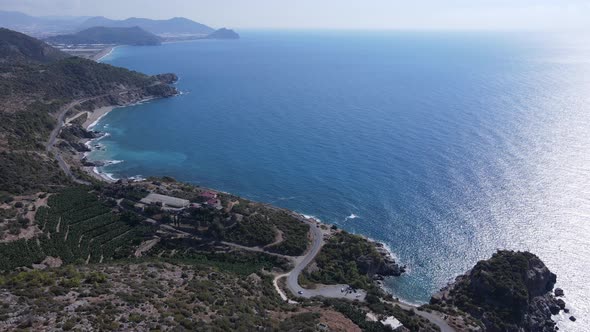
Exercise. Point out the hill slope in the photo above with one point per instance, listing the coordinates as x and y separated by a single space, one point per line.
177 25
108 35
18 47
37 83
223 33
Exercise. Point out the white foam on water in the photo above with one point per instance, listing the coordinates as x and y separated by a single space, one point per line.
308 216
351 216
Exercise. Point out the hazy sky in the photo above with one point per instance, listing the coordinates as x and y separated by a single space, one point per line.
334 14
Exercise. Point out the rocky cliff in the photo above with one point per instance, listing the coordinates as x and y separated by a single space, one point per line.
382 265
512 291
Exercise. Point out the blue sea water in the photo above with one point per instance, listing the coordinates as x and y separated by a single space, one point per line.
445 146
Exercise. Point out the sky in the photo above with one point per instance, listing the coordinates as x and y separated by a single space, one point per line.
334 14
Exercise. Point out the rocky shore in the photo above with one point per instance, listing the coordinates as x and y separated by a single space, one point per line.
79 138
386 266
512 291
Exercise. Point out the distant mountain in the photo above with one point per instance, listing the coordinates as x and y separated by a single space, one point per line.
8 19
108 35
177 25
173 29
18 47
223 33
38 26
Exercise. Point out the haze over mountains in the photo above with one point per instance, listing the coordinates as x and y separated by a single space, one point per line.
176 25
51 26
107 35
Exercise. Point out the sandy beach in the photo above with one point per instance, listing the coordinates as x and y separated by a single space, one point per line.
103 53
96 115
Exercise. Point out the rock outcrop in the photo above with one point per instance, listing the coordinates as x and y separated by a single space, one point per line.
167 78
384 266
512 292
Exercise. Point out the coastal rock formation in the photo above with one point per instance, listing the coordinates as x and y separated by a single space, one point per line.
78 131
379 268
167 78
509 292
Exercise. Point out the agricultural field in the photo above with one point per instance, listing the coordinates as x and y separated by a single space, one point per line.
77 228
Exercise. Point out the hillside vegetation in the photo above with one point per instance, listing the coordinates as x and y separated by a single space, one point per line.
77 228
511 291
37 82
18 47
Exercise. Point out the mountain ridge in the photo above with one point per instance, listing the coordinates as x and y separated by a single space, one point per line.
55 25
175 25
109 35
16 46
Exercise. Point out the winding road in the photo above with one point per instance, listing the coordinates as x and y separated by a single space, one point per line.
335 291
331 291
50 146
292 281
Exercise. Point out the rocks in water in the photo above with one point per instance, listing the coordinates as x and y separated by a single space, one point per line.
572 318
518 281
77 131
566 310
559 292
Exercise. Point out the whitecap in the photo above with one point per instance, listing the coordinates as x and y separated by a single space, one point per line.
352 216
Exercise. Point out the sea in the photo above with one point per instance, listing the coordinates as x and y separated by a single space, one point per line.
446 146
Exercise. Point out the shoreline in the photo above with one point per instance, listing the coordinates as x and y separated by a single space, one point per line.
95 116
94 171
104 53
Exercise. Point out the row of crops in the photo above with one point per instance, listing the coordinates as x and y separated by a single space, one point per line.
77 228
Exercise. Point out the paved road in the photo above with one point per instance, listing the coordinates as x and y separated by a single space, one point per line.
331 291
60 121
335 291
50 146
433 318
